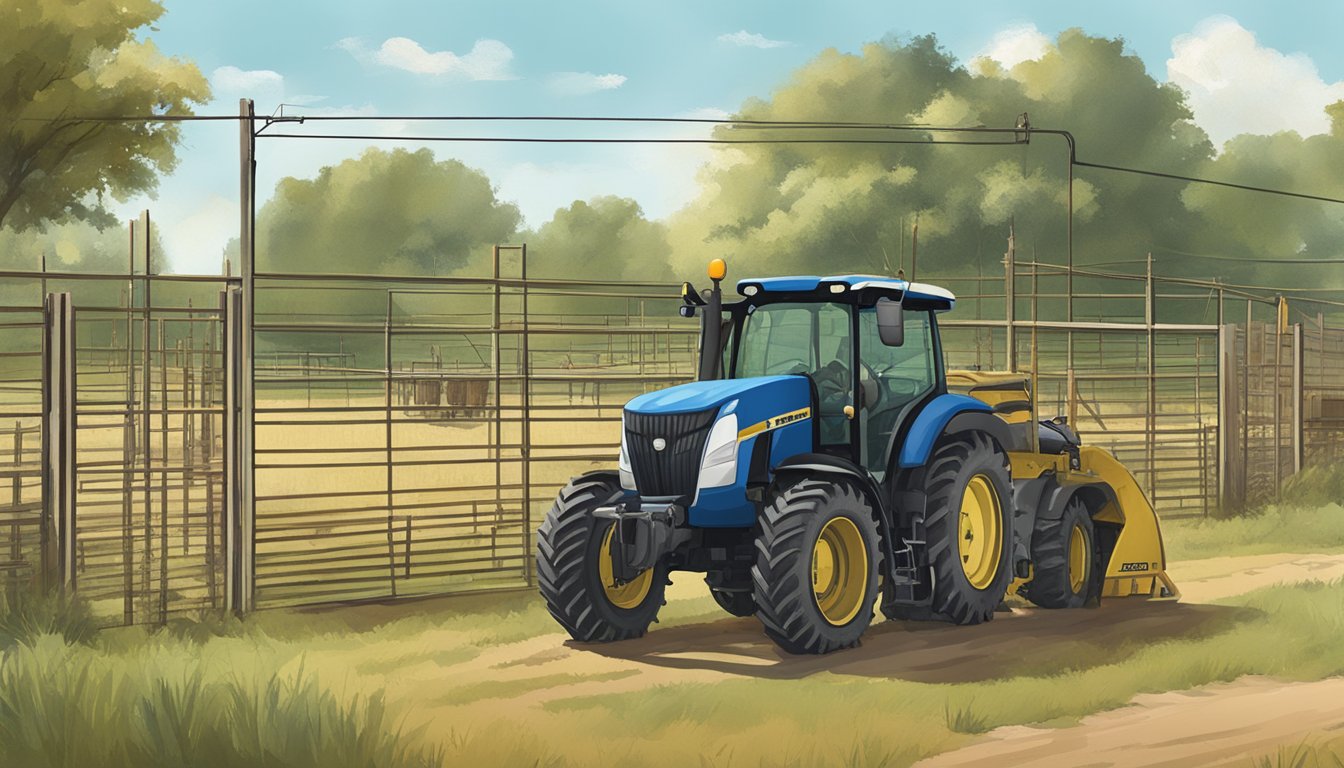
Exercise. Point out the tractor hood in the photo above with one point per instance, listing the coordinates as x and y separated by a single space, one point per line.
703 395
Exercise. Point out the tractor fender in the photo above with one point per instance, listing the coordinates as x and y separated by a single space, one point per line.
948 414
598 474
824 464
821 463
1030 496
1094 495
611 475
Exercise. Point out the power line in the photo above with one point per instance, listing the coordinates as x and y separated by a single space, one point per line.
1333 262
132 119
1024 134
1179 177
624 140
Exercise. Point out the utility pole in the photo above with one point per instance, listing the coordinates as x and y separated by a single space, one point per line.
914 248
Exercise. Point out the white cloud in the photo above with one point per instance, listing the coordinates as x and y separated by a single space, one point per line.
581 83
662 177
487 59
231 78
1236 85
1013 45
744 39
266 87
707 113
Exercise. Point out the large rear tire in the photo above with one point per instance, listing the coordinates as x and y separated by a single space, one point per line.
574 569
1064 559
968 525
817 557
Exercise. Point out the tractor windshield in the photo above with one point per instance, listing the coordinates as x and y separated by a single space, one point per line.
811 338
816 339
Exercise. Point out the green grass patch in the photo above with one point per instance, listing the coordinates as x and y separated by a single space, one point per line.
305 687
26 615
66 705
1280 528
1325 751
1314 487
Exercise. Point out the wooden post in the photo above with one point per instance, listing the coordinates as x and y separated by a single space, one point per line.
163 475
1246 408
526 436
1149 320
58 445
387 437
1033 434
1010 300
495 358
1278 404
1298 413
16 498
1227 413
247 540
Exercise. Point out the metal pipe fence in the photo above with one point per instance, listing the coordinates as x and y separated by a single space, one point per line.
410 432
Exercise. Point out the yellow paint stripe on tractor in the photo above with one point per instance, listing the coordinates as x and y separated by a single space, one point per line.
775 422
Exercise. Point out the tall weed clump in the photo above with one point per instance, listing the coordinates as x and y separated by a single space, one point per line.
66 705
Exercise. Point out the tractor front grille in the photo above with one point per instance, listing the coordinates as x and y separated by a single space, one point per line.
674 470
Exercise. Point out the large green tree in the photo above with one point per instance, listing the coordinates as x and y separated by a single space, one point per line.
606 238
61 61
385 212
783 208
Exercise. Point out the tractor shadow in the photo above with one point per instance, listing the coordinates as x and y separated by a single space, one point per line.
1027 642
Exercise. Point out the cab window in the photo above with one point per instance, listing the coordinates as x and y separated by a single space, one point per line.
812 339
893 380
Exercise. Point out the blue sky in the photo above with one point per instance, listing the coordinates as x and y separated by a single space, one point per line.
657 59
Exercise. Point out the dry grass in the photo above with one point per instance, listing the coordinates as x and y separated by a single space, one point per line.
468 682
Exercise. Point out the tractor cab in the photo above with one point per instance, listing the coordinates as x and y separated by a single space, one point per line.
867 345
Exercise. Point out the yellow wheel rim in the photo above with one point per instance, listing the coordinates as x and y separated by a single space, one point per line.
1077 559
980 532
628 595
839 571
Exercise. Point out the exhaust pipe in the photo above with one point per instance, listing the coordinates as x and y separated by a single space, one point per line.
711 325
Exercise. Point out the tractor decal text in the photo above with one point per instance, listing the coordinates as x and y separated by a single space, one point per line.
1131 567
775 422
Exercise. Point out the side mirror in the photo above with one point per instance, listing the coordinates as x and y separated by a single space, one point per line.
890 322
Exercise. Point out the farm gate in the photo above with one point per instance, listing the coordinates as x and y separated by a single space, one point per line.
118 390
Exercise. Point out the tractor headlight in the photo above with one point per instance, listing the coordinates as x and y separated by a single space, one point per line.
623 464
719 467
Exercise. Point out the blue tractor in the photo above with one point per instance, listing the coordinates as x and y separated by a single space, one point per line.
820 465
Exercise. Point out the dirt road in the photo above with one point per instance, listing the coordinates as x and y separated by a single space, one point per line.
549 667
1225 724
453 683
1221 724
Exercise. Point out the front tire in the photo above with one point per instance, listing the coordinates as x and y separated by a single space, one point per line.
817 557
968 524
574 569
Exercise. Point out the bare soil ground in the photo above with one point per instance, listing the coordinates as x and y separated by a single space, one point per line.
1222 722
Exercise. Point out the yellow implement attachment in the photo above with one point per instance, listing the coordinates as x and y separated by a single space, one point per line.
1137 566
